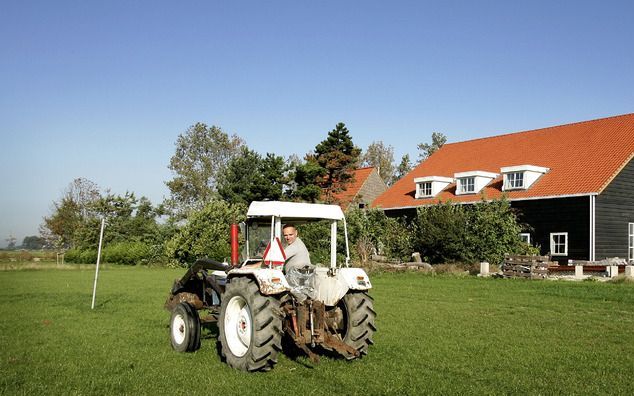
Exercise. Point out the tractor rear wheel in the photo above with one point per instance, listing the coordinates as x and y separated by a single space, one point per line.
185 328
250 326
359 327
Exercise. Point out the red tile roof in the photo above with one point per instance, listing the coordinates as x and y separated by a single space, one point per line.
583 158
359 178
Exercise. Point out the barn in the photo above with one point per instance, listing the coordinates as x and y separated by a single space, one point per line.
572 184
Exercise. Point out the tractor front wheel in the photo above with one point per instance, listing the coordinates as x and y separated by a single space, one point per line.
185 328
250 326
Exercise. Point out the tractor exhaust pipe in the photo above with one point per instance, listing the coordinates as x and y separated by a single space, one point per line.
234 245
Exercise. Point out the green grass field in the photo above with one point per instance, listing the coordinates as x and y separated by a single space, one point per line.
437 335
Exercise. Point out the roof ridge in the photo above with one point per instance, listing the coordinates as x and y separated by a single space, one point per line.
541 129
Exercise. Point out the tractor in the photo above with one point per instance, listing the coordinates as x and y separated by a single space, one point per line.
256 304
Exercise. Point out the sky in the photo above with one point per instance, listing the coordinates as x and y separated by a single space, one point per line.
102 89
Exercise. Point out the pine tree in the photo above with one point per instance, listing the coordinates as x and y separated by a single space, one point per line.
338 156
329 169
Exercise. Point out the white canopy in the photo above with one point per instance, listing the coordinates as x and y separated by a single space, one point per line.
294 210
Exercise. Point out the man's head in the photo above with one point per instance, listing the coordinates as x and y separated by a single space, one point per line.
289 232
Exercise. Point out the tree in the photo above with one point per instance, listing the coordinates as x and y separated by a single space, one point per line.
64 223
427 149
381 157
202 152
83 192
11 242
60 229
128 219
329 169
206 233
33 242
249 177
403 168
305 180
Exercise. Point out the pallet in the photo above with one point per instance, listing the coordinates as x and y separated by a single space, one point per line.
527 267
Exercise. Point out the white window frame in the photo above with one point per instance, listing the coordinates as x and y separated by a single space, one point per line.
424 189
630 238
553 244
465 182
526 237
514 180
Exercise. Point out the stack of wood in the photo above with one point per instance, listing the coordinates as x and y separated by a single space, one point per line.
416 264
530 267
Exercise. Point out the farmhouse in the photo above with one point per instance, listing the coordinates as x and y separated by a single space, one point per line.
572 184
366 186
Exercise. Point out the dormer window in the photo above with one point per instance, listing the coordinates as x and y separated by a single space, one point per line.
424 189
514 180
430 186
472 182
521 177
466 185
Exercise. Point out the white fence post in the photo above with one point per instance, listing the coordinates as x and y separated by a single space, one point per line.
484 268
578 271
94 288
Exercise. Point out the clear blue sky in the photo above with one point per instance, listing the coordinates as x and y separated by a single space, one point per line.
101 89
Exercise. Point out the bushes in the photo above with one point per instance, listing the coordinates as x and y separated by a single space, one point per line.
316 237
443 233
372 232
485 231
78 256
126 253
129 253
206 233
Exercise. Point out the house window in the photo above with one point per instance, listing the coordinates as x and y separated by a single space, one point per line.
425 189
515 180
525 237
559 243
466 185
631 244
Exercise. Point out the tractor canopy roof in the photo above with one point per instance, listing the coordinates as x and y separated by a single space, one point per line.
294 210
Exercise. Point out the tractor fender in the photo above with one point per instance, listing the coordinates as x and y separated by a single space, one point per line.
270 281
331 288
355 278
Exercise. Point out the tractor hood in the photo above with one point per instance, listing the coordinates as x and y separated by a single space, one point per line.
295 210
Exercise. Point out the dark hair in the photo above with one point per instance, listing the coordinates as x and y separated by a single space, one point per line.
287 225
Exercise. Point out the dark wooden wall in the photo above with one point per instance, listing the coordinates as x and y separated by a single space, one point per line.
614 210
571 215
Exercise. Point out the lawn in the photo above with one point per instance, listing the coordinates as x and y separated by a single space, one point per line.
437 334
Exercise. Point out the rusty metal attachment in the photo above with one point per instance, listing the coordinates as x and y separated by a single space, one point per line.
310 324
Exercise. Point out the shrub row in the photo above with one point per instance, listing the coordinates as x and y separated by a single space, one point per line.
129 253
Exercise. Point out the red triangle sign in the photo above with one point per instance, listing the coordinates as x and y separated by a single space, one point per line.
274 253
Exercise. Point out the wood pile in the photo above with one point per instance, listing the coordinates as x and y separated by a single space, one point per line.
382 262
529 267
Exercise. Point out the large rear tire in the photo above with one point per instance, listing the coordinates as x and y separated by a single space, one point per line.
185 328
250 326
359 327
